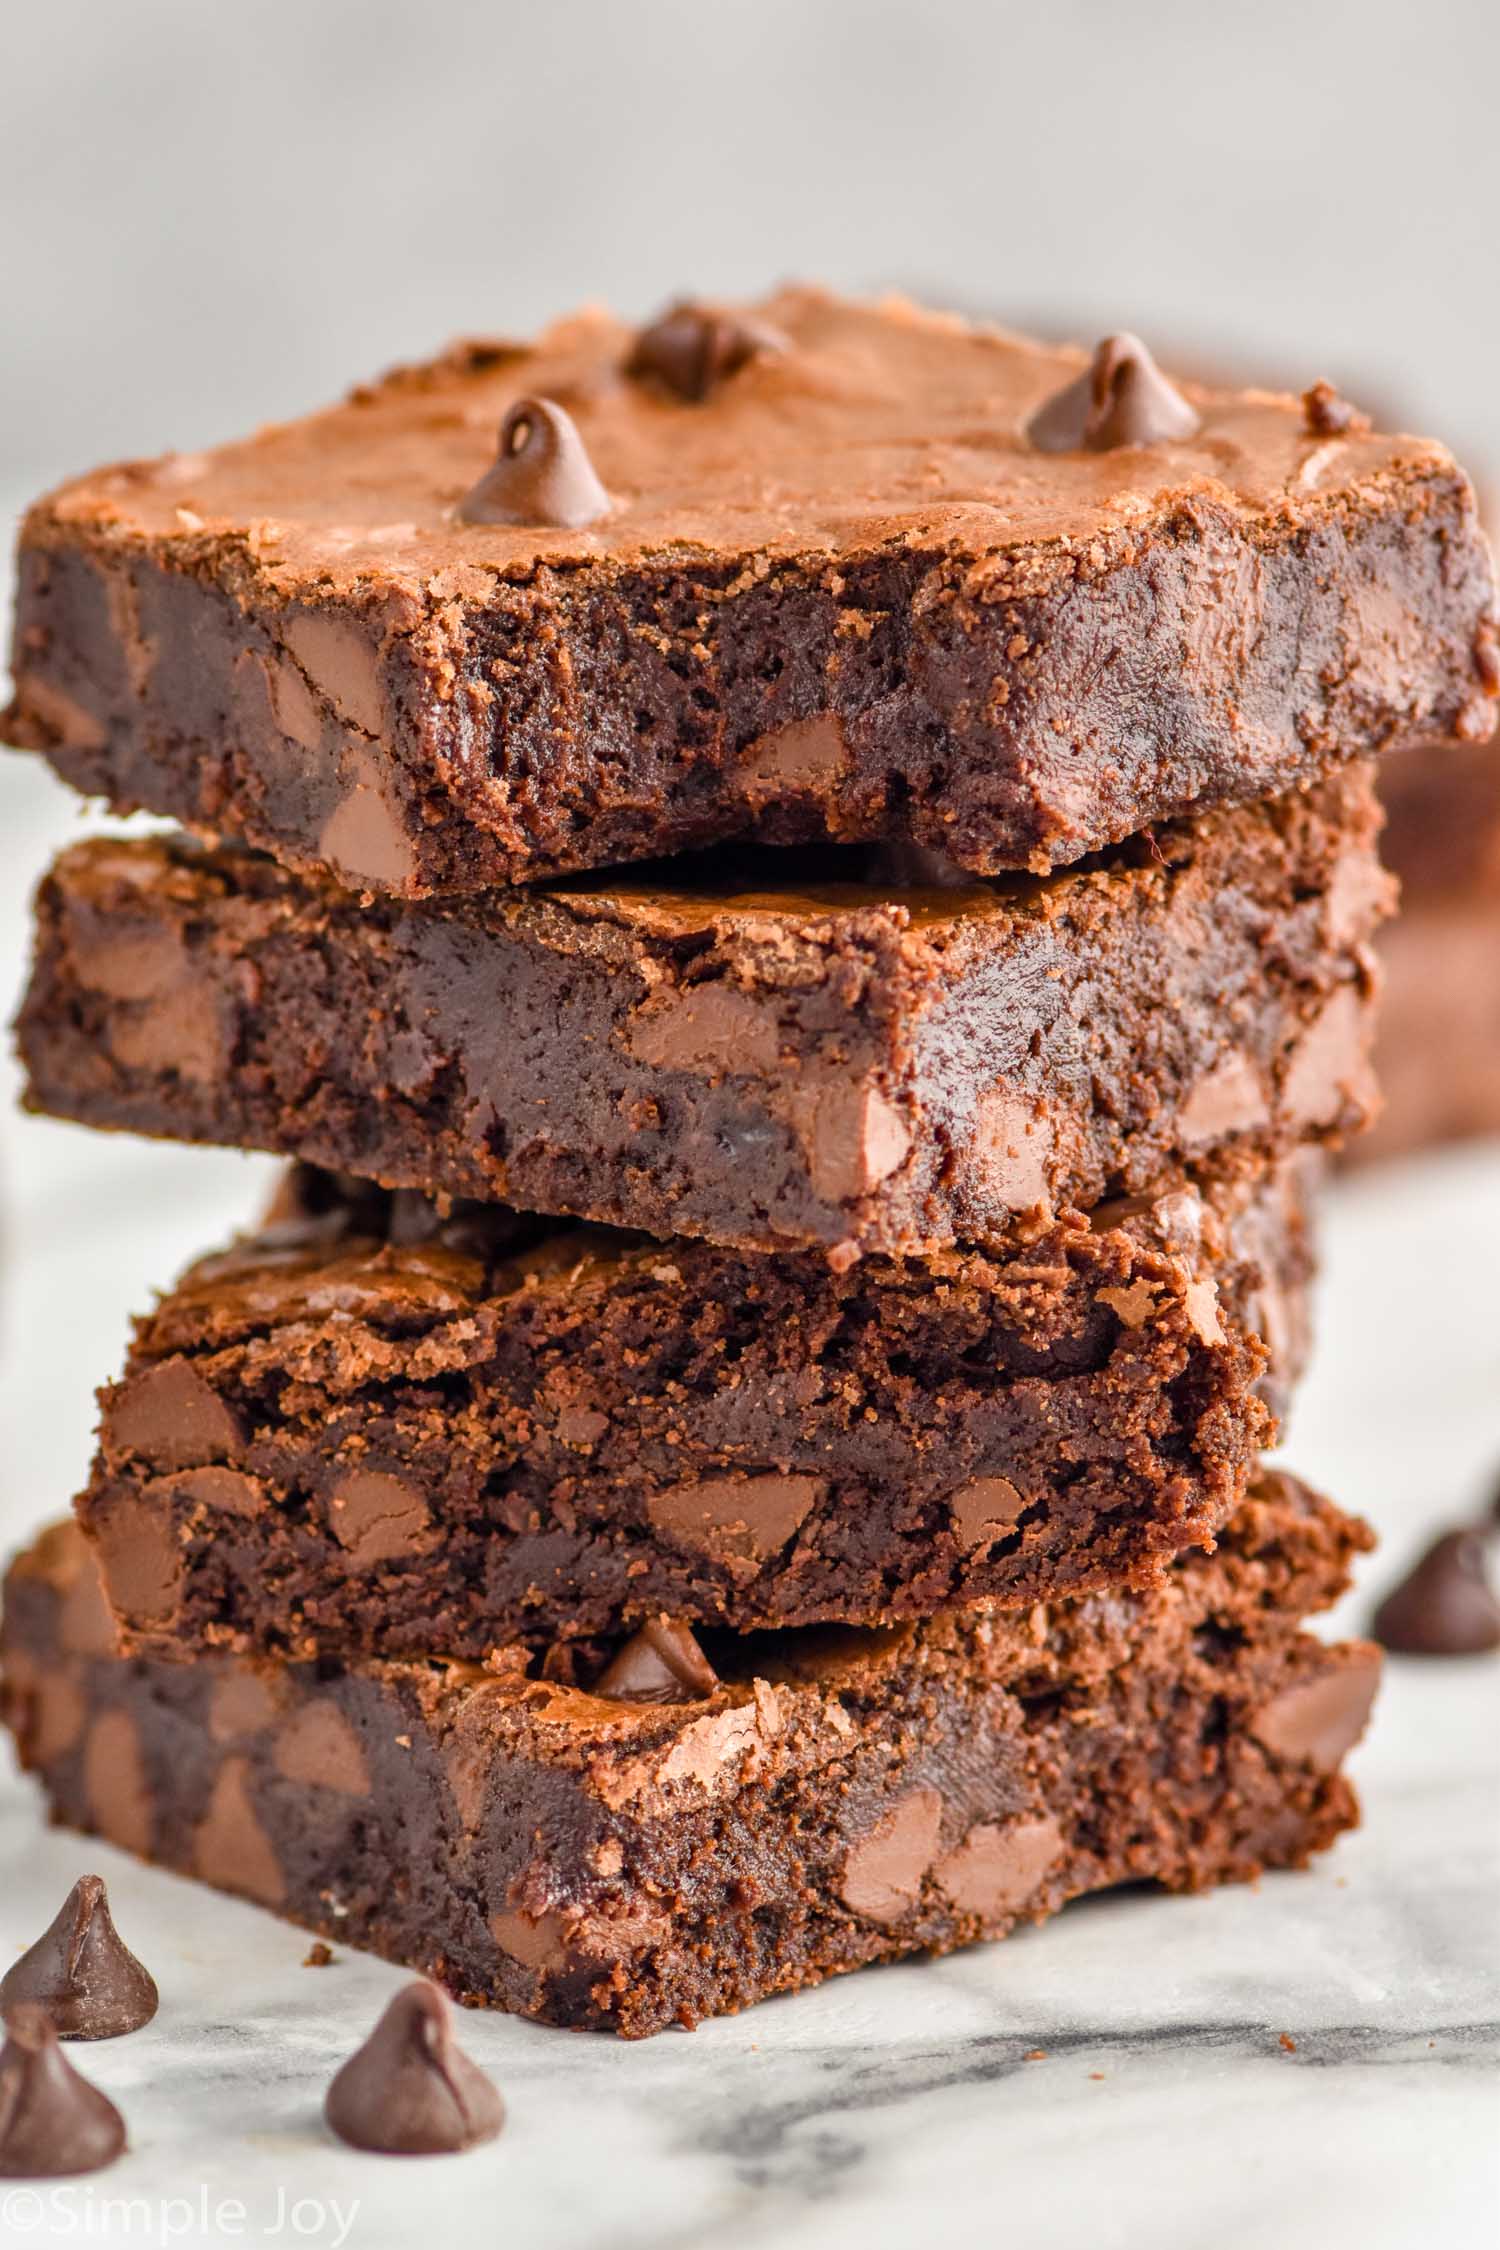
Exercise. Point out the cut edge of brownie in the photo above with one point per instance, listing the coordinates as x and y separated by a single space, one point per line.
468 706
467 1430
836 1797
736 1049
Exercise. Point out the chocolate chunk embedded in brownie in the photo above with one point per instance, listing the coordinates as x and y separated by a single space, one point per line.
753 1052
663 1846
866 580
375 1429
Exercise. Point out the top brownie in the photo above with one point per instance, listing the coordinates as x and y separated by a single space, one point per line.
809 570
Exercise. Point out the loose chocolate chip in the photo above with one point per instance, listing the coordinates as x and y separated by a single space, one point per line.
53 2123
1329 415
410 2090
1445 1606
662 1663
692 348
1122 399
81 1973
542 474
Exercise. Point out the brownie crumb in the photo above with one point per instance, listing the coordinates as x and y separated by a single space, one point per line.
1328 414
318 1956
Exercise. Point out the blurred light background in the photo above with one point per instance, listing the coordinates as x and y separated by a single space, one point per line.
215 216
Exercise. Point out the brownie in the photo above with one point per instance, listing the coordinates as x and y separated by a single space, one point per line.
1438 1040
373 1428
812 569
1438 1047
718 1052
1442 834
684 1834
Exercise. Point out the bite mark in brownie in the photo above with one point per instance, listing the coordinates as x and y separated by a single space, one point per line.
841 595
840 1797
737 1049
375 1429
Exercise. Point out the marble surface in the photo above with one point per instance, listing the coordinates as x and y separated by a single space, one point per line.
897 2103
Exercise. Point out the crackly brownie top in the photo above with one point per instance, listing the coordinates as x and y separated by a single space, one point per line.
801 425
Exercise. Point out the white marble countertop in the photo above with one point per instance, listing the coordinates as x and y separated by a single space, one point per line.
896 2103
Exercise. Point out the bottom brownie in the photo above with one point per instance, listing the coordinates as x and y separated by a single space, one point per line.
709 1823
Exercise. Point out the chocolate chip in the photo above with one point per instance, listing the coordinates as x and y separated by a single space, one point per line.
1445 1606
318 1955
319 1746
692 348
1329 415
170 1417
1000 1867
662 1663
744 1520
140 1560
1316 1722
1122 399
885 1868
542 474
378 1518
53 2123
231 1849
116 1783
410 2090
984 1510
81 1973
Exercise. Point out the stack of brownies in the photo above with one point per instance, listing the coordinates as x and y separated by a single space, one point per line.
735 1452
